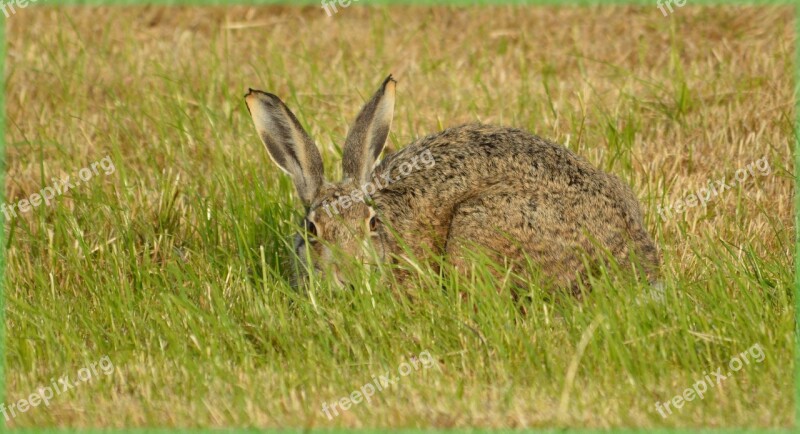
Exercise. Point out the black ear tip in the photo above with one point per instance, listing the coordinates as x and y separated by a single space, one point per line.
263 96
390 78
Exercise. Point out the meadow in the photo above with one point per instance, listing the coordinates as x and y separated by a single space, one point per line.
173 266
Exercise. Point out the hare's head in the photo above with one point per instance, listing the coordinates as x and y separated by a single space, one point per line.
340 227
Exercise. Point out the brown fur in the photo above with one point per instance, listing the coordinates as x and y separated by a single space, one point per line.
514 194
501 190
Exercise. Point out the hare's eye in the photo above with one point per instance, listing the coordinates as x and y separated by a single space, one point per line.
373 223
311 229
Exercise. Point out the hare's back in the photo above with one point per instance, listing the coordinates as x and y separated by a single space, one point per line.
482 183
468 159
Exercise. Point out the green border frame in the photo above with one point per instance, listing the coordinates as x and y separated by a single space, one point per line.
643 3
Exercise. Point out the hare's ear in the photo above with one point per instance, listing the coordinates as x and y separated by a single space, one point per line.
287 142
367 136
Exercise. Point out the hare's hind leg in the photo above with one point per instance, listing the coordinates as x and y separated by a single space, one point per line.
508 227
558 237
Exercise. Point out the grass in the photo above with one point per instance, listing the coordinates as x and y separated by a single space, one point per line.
174 264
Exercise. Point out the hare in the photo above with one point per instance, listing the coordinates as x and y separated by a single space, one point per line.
521 198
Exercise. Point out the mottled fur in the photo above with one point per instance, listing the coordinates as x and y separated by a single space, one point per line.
506 191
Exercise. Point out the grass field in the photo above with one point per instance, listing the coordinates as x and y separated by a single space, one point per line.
173 264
